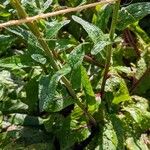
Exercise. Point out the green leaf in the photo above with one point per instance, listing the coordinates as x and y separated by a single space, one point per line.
16 62
5 14
18 31
76 56
68 130
124 69
39 58
31 100
54 27
141 102
13 106
93 31
122 94
76 78
23 119
99 47
87 87
143 74
136 144
132 13
5 42
46 5
101 18
141 117
68 137
64 44
108 139
50 99
117 86
25 138
119 130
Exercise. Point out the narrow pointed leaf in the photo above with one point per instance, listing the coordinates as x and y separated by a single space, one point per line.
54 27
132 13
93 31
122 94
50 100
98 47
87 87
76 56
17 61
39 58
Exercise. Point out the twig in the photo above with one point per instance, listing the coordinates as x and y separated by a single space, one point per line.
92 61
51 14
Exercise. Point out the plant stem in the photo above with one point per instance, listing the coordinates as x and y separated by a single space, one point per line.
55 13
109 47
34 29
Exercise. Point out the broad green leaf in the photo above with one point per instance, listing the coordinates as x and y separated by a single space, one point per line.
143 74
144 83
23 119
25 138
87 87
43 90
31 100
99 47
16 62
93 31
48 92
141 68
122 94
132 13
54 27
118 88
12 106
109 137
136 144
119 130
58 103
20 32
142 118
39 58
69 137
5 14
124 69
76 78
5 42
5 79
46 5
64 44
107 140
68 130
76 56
52 122
141 102
101 18
71 129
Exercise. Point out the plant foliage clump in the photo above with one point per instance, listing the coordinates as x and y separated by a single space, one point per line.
75 81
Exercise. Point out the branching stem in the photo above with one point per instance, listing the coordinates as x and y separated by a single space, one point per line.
34 29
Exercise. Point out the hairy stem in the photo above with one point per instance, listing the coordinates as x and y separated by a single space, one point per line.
109 47
51 14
